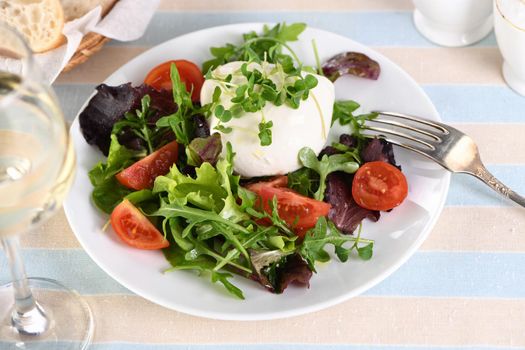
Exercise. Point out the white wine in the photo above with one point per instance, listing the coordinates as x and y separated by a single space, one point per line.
37 163
37 159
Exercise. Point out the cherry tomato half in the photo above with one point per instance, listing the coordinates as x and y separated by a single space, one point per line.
379 186
299 212
159 77
135 229
141 174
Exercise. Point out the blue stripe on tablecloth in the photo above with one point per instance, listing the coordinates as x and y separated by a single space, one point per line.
477 103
130 346
390 28
432 274
456 103
466 190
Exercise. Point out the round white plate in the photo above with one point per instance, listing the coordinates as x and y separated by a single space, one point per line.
397 235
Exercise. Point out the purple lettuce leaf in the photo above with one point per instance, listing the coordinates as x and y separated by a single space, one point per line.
204 149
103 110
294 271
379 150
348 140
109 105
276 270
344 211
353 63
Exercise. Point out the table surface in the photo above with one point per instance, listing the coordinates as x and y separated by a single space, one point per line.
465 287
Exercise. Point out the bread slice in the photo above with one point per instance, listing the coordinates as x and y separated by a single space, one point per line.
39 21
77 8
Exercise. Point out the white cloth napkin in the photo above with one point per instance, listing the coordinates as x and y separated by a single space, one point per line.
126 21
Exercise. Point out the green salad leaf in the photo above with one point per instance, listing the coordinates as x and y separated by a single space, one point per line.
325 233
181 122
304 181
266 46
137 122
327 164
222 277
344 114
107 191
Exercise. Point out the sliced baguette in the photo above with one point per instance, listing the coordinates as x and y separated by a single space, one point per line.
39 21
77 8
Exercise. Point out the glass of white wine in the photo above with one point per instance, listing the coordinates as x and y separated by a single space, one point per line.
37 165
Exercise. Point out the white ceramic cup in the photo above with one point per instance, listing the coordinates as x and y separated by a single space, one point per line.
511 41
453 22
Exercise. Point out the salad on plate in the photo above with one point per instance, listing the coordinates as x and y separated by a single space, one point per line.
228 168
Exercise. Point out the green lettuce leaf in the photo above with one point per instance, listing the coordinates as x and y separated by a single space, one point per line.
107 191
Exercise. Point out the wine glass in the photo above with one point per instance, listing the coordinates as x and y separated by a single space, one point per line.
37 164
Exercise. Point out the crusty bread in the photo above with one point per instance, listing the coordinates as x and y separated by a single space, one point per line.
77 8
39 21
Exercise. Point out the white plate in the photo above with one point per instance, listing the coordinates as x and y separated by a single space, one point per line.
397 235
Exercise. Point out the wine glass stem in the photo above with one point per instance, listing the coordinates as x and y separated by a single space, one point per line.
27 317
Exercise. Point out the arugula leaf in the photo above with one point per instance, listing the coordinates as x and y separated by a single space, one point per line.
290 32
138 123
247 197
223 278
304 181
195 215
181 122
176 230
180 260
344 113
325 166
266 46
325 233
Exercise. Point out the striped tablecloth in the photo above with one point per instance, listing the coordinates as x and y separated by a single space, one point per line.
464 288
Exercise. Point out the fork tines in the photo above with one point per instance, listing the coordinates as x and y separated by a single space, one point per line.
423 135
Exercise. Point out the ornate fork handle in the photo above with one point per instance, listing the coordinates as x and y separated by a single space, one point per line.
484 175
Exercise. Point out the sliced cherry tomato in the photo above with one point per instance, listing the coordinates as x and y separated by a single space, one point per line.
142 174
159 77
379 186
135 229
299 212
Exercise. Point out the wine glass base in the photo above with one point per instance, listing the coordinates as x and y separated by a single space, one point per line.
71 326
444 36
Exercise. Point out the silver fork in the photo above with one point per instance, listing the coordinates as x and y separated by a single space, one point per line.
442 143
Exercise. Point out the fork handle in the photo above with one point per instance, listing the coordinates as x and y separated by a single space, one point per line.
484 175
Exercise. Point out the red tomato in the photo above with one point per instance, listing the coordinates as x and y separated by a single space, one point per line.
159 77
299 212
135 229
379 186
142 174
